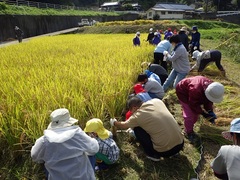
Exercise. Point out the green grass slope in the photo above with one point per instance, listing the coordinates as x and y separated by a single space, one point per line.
25 10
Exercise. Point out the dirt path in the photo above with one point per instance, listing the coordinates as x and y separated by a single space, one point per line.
8 43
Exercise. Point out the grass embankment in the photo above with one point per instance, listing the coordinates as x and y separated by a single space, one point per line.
92 75
25 10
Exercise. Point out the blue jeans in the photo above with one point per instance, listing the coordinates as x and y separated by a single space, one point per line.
173 78
153 95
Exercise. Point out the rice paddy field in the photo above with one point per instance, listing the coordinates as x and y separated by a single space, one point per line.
92 76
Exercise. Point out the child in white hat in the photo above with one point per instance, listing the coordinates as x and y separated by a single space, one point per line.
227 163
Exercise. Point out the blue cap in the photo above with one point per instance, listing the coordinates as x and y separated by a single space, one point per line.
194 28
234 128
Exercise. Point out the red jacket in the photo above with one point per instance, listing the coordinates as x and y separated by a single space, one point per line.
192 91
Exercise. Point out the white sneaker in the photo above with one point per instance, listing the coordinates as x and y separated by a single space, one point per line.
153 159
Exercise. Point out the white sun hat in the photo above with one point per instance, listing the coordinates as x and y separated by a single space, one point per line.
215 92
195 54
61 118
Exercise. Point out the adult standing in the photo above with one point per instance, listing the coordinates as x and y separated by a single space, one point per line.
195 40
193 93
154 127
136 39
184 37
156 39
19 34
150 36
226 165
168 33
180 63
204 58
64 148
164 45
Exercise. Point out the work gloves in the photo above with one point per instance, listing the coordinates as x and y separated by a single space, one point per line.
112 120
210 116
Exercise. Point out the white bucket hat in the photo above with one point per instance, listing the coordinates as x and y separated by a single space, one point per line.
196 54
214 92
61 118
234 128
151 29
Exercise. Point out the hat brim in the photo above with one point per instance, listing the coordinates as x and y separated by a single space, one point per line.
102 133
68 123
212 99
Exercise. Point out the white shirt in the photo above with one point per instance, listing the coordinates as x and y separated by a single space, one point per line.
64 152
228 161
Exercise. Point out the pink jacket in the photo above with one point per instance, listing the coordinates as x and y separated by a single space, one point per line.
192 91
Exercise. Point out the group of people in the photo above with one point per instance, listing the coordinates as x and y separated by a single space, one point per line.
195 94
68 152
181 39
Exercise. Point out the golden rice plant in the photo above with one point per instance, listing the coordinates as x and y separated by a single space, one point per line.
91 75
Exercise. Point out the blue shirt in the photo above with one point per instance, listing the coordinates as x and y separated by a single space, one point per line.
164 45
136 41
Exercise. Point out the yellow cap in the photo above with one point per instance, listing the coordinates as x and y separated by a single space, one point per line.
95 125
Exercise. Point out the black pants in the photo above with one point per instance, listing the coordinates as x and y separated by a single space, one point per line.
215 57
145 140
158 59
163 78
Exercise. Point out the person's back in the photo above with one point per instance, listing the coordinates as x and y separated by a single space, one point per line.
184 39
230 160
152 75
63 149
160 71
156 39
60 153
157 69
164 45
226 164
154 117
168 34
154 87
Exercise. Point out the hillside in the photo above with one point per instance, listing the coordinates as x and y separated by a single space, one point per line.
6 9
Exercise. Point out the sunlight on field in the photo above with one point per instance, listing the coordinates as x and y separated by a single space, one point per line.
91 75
